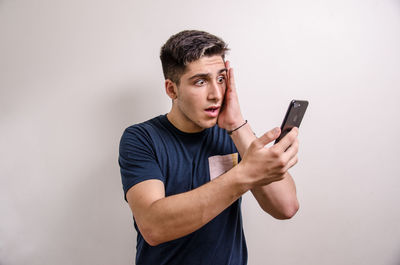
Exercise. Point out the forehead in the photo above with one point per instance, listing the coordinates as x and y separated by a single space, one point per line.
206 65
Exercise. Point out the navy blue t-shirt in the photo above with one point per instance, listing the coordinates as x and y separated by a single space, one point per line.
156 149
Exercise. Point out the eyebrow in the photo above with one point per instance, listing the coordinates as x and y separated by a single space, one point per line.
206 74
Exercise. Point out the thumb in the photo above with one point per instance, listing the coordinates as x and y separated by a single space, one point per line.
269 136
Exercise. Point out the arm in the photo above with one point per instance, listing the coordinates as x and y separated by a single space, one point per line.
162 219
278 198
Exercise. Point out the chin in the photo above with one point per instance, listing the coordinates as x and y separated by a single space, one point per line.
210 124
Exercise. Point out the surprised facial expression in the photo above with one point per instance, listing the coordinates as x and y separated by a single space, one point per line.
199 95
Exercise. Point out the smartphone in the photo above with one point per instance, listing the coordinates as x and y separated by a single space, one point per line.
293 117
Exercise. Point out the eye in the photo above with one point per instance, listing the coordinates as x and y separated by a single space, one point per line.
221 79
200 82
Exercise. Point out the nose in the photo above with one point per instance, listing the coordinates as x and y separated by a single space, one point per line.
215 91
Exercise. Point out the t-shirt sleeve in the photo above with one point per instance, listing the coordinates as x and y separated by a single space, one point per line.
137 159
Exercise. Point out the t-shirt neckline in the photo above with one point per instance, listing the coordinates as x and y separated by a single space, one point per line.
165 121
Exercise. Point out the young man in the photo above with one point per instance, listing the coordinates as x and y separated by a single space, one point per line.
181 172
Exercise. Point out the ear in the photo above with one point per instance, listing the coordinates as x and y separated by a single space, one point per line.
171 89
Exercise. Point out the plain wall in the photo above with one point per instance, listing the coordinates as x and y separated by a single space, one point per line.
74 74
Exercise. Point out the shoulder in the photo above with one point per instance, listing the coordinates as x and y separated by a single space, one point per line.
143 127
141 134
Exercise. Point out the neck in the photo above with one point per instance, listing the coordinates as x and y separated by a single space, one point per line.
182 123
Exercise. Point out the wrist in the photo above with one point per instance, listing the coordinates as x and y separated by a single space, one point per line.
242 179
233 121
236 126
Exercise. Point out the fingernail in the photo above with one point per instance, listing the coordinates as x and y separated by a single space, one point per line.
276 130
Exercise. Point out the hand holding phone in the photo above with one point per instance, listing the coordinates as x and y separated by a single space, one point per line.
293 117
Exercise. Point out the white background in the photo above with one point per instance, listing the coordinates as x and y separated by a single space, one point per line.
74 74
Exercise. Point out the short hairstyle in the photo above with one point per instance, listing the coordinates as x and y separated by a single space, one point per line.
188 46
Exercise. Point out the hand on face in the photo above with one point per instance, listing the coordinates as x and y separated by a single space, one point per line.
230 116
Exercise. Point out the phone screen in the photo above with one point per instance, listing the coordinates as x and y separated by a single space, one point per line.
293 117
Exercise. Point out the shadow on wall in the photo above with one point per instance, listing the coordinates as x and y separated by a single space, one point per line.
397 262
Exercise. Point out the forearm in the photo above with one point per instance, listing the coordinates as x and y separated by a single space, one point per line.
277 198
175 216
242 138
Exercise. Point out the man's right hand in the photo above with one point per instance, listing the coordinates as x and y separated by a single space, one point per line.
262 165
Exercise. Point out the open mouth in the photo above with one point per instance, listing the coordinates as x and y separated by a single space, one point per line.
212 109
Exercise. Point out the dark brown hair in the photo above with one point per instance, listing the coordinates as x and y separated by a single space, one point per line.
188 46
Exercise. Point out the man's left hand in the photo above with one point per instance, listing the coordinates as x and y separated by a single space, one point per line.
230 116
